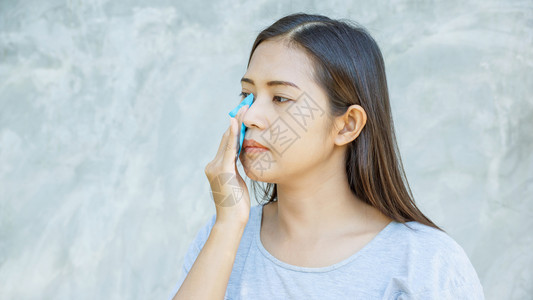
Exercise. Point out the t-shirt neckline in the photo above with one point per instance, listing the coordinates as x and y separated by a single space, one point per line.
257 239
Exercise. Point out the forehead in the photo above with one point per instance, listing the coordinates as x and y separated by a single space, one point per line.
274 60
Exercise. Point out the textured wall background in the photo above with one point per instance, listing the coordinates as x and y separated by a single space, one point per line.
101 176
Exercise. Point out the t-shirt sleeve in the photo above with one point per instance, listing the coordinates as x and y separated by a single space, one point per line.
437 267
192 252
452 276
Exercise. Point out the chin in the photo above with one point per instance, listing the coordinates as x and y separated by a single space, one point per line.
257 171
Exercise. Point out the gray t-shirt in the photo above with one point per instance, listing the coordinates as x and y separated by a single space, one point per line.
419 262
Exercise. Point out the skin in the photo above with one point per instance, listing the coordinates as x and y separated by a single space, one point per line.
317 221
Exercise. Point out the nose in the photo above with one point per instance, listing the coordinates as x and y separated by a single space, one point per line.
254 116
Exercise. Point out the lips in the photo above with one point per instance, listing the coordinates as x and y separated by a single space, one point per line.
252 143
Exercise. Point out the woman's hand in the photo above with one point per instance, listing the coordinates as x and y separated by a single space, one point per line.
229 190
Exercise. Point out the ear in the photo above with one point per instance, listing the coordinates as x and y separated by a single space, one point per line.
349 125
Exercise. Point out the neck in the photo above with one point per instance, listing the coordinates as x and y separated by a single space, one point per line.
319 206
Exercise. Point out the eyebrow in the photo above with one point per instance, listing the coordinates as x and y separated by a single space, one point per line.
272 83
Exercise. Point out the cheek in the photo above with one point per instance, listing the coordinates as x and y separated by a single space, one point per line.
284 161
301 146
304 122
295 139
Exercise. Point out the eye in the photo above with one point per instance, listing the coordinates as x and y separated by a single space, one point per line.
243 95
278 97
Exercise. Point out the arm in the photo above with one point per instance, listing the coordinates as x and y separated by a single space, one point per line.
210 273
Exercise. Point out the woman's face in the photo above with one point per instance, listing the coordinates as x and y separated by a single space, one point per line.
288 116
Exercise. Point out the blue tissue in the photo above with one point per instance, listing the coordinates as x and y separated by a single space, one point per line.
246 101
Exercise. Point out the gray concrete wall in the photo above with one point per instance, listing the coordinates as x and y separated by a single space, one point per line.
102 183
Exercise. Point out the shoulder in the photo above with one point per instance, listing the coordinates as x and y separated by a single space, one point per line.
427 242
432 239
434 262
428 246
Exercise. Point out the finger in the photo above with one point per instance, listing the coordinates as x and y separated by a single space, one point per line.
239 119
233 139
231 145
223 141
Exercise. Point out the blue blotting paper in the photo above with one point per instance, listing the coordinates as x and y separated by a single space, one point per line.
246 101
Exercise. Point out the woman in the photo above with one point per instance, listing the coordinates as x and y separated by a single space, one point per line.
340 221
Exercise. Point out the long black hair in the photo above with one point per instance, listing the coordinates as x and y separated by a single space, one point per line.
349 67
